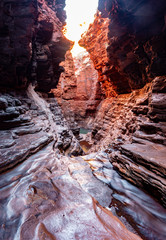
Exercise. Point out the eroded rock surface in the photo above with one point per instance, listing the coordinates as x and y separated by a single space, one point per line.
52 195
47 202
131 36
31 43
78 91
133 126
129 203
28 123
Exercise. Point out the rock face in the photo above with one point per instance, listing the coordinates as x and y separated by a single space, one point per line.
133 128
27 124
131 36
132 39
31 43
144 161
78 92
95 40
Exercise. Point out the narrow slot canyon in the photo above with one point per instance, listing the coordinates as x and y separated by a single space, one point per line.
83 120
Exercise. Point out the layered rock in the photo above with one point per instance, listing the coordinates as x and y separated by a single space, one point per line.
133 43
49 198
57 198
78 92
143 161
133 128
28 123
128 40
95 40
31 43
130 203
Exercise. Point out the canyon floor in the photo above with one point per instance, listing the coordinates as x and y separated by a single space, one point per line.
50 189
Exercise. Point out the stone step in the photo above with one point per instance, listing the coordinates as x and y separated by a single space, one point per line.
156 138
141 176
23 148
150 155
15 122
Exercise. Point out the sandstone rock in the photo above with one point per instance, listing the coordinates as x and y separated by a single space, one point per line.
127 48
78 91
31 48
49 199
22 149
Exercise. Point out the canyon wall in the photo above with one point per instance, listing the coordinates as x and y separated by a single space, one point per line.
78 91
126 42
32 46
31 43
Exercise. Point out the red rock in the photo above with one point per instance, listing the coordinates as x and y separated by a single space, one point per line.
78 91
95 40
127 48
32 44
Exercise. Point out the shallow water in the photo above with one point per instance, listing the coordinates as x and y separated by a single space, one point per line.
84 130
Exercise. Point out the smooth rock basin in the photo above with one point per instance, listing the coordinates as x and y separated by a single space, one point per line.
57 197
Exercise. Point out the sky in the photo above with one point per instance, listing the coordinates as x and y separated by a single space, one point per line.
80 13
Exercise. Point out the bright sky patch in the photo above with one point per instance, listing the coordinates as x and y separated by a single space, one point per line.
80 13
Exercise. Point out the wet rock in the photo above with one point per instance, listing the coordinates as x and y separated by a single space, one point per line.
22 149
47 201
131 204
3 103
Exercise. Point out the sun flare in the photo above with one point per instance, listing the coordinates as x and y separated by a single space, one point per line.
80 13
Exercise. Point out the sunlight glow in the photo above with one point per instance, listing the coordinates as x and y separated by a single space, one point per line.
80 13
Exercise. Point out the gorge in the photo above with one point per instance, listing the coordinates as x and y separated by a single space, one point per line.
83 136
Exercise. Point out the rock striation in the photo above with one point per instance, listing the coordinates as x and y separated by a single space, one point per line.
131 36
31 43
126 42
78 91
29 123
133 127
56 198
143 161
53 194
